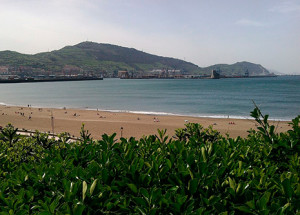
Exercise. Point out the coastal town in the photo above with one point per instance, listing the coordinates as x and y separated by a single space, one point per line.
178 74
71 73
27 74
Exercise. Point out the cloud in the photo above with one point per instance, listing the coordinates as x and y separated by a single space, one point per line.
248 22
286 7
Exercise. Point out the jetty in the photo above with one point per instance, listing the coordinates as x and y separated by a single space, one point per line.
48 79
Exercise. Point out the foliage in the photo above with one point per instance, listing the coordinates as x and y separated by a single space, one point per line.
85 135
200 172
9 135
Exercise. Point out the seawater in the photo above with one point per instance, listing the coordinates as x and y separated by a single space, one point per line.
278 96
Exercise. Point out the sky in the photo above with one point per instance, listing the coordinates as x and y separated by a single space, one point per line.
204 32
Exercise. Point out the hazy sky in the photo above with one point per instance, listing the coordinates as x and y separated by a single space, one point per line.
203 32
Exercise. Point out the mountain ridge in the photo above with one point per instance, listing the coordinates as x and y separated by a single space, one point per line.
91 56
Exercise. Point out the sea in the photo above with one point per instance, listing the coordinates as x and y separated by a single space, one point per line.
279 97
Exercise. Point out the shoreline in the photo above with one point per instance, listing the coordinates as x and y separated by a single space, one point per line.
134 124
158 113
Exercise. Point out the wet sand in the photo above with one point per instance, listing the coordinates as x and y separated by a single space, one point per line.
100 122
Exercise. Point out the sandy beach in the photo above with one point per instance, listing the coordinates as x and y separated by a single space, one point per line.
100 122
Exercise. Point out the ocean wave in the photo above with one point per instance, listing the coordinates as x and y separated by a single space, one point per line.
7 104
187 115
137 112
34 106
157 113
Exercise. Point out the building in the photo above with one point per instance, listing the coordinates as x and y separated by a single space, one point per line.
214 74
4 70
247 73
123 74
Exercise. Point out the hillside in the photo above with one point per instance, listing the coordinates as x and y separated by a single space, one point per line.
106 57
238 68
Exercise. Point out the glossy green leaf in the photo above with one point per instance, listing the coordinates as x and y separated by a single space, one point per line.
287 188
140 201
78 209
132 187
232 183
244 209
84 189
92 188
144 192
168 163
193 185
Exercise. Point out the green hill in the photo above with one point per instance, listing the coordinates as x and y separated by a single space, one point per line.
107 57
238 68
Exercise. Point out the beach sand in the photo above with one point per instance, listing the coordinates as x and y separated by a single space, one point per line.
101 122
